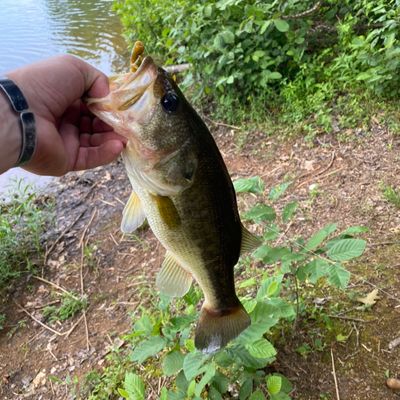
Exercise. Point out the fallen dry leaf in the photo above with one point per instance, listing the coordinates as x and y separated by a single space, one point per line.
370 299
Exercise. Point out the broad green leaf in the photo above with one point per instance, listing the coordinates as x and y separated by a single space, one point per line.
181 382
316 239
289 210
247 360
277 191
192 364
172 363
274 384
260 212
134 386
220 382
271 232
246 389
338 276
250 185
269 287
178 395
207 11
264 26
214 394
261 348
354 230
257 395
286 386
281 25
148 348
274 76
346 249
228 37
248 282
144 324
206 378
223 359
257 55
164 394
191 388
313 270
272 289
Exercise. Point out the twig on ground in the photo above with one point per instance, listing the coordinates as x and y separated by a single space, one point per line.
74 326
350 318
238 128
82 245
87 227
56 286
113 239
283 234
388 243
318 173
357 335
38 321
334 375
63 233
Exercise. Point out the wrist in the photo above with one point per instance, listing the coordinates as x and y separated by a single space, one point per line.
26 120
10 134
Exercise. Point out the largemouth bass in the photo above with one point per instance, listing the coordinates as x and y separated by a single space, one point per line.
181 185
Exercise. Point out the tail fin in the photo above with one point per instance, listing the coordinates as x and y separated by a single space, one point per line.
217 327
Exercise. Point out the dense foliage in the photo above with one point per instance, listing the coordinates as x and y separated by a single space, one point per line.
252 49
23 219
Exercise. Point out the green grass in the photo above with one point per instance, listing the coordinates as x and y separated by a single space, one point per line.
23 219
391 195
70 305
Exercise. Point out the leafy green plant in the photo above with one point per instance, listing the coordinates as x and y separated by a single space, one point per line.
70 305
297 58
391 195
23 218
161 337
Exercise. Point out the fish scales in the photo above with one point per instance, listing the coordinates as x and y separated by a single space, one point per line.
181 185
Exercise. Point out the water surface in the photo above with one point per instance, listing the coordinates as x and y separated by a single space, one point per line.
32 30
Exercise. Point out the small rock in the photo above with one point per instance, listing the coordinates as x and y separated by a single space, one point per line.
40 379
393 383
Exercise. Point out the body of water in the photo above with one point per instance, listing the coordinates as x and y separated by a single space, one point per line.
32 30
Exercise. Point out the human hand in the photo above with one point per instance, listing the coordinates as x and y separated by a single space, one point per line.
69 137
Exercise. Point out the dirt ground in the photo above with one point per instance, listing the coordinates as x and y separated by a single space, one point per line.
116 270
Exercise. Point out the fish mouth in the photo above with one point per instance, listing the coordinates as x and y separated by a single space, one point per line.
127 89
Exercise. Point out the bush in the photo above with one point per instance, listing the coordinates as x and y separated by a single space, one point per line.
23 220
251 49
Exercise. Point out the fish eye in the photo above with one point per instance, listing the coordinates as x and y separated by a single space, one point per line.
170 102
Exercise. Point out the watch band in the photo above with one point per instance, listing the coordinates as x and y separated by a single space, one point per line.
26 117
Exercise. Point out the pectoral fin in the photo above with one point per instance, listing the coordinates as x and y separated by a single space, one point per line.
133 215
172 279
249 241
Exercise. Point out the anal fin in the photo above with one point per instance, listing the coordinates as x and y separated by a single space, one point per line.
133 215
172 279
249 241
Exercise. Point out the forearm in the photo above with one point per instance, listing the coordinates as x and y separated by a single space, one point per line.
10 135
